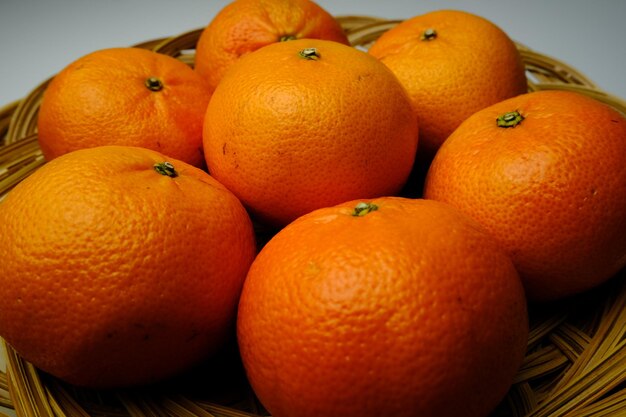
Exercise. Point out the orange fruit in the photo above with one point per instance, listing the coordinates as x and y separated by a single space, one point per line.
452 64
305 124
551 188
389 307
125 96
244 26
117 268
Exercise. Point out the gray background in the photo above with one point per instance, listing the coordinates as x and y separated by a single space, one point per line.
39 38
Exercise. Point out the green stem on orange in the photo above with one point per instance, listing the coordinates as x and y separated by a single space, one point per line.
165 168
429 34
153 84
287 38
309 53
361 209
510 119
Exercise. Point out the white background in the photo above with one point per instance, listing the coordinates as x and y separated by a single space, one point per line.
40 37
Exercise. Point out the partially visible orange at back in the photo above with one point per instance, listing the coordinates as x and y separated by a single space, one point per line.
452 63
125 96
244 26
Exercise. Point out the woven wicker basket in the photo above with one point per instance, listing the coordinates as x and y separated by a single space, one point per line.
576 360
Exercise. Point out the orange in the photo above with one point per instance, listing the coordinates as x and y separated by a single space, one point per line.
305 124
386 307
453 64
551 187
244 26
120 266
125 96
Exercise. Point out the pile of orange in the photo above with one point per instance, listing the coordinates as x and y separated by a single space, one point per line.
131 255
